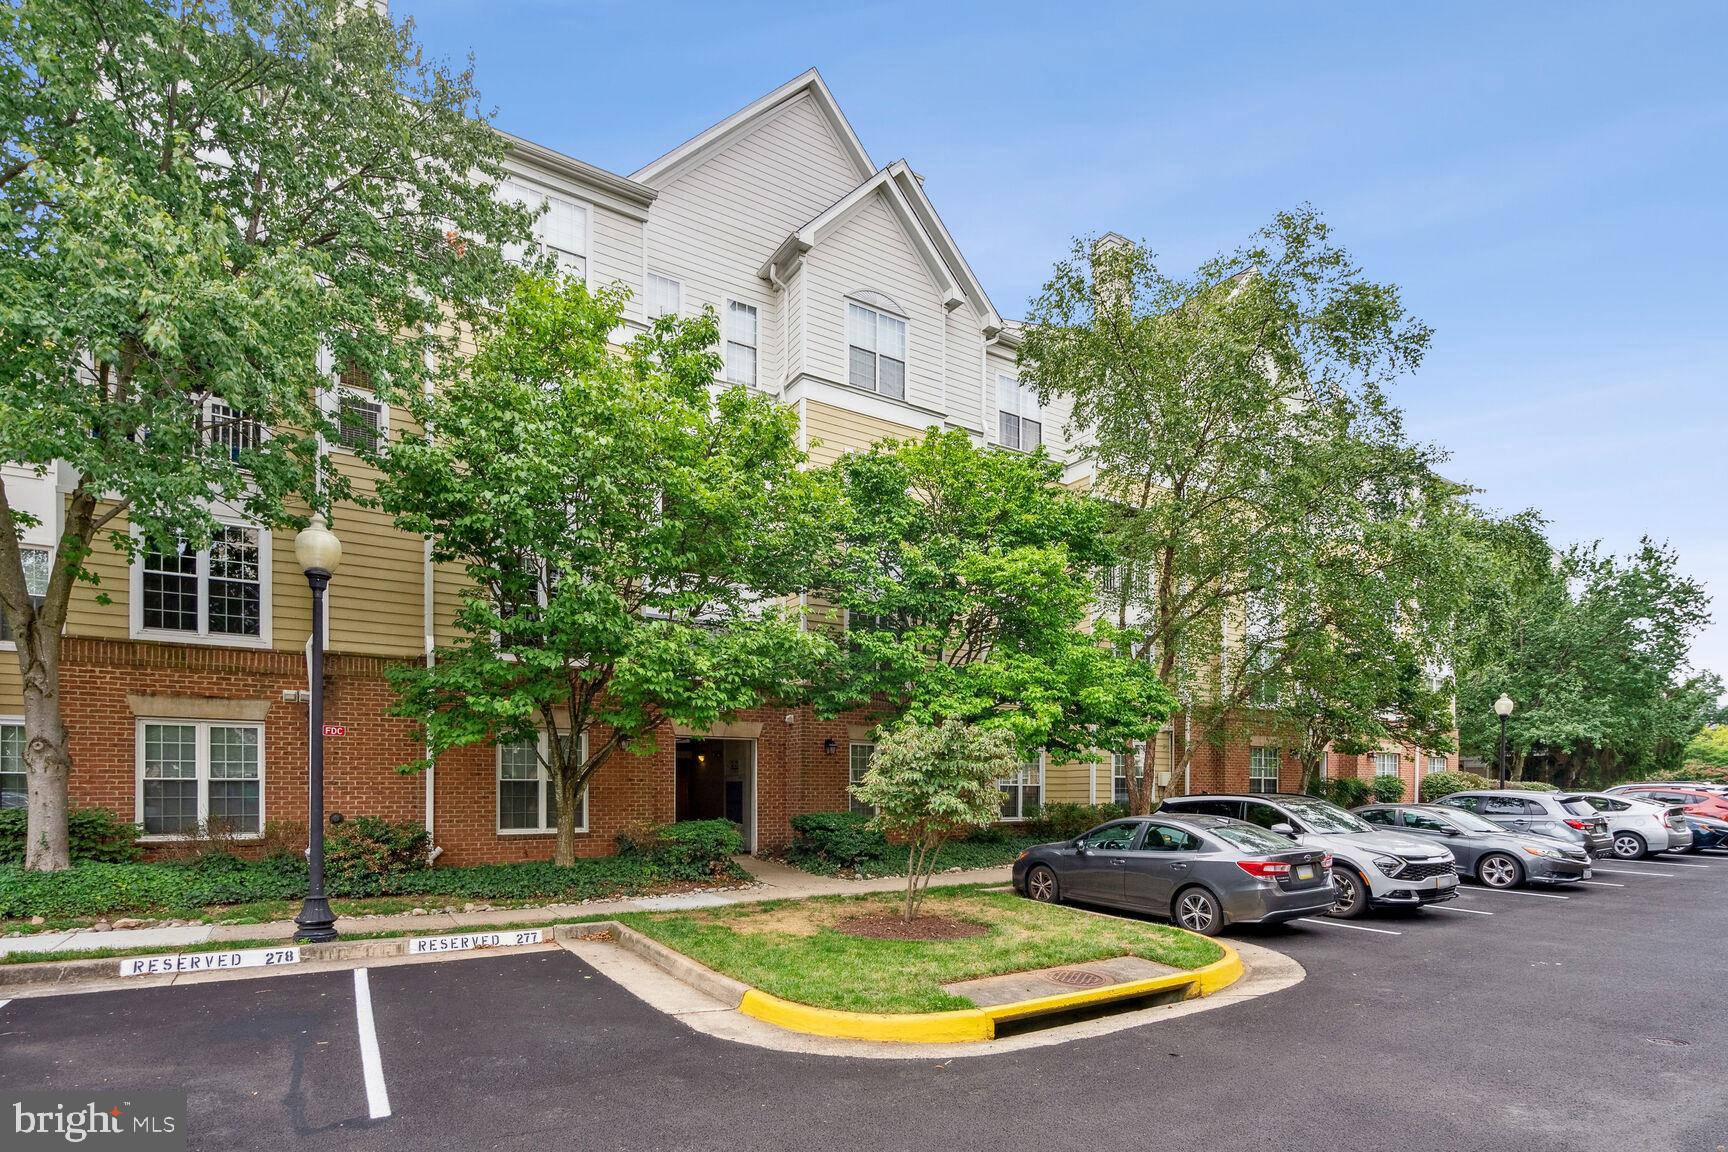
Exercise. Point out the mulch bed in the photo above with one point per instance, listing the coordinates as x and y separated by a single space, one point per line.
894 927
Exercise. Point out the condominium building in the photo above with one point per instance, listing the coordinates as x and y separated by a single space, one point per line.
840 292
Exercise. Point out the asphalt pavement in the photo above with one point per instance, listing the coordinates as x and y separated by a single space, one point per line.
1502 1021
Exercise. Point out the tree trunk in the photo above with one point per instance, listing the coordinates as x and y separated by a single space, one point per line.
47 757
564 851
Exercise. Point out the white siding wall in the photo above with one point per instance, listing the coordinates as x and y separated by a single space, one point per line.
965 348
715 225
871 252
617 257
794 309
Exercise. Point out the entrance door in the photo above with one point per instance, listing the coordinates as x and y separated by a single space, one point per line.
716 780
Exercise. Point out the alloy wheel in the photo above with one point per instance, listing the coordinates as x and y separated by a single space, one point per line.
1628 846
1195 912
1498 872
1041 885
1349 891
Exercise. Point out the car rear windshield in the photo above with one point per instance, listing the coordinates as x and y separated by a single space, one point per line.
1578 806
1250 839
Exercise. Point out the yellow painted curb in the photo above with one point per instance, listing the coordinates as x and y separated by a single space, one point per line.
977 1023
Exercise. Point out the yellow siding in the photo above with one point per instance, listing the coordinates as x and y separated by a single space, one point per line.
377 598
448 581
11 685
834 431
1072 783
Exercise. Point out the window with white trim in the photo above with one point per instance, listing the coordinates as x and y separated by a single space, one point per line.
14 784
200 775
1387 763
1436 762
740 343
1121 775
858 759
876 350
1262 769
359 420
1020 420
662 296
38 564
561 228
1023 791
218 592
527 796
233 429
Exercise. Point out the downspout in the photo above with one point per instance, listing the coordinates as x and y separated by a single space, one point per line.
785 322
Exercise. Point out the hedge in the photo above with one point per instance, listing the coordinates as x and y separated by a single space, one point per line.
1445 783
830 843
1066 821
99 889
92 834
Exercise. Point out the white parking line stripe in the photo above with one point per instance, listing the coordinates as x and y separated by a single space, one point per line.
1629 872
3 1003
377 1099
1677 864
1513 892
1449 908
1601 884
1355 927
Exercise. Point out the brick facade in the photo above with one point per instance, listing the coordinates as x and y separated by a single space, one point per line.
108 686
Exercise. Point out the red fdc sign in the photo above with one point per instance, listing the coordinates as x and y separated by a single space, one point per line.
335 730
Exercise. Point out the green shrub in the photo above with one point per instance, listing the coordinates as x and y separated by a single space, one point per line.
835 841
1438 784
1066 821
1348 791
696 849
93 833
361 854
1388 789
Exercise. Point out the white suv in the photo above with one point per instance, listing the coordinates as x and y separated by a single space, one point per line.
1370 866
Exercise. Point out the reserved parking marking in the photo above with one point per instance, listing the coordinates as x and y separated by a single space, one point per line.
1353 927
1515 892
1629 872
377 1099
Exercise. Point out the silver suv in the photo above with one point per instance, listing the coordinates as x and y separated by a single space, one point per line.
1370 866
1561 815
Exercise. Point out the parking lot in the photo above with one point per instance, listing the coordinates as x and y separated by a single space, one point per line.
1582 1018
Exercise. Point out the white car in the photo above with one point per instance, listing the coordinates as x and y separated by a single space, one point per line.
1371 867
1640 827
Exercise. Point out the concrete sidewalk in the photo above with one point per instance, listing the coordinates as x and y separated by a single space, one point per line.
772 881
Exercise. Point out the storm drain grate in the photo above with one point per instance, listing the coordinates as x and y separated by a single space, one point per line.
1078 978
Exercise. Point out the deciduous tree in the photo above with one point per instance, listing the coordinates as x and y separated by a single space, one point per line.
196 200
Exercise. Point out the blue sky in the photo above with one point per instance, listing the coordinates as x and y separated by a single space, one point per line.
1545 181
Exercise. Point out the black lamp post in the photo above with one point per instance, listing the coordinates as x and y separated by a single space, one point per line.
319 552
1503 709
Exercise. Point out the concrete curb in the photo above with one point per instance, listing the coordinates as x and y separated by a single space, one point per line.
972 1024
728 991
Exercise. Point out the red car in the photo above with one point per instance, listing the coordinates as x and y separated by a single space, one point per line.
1696 801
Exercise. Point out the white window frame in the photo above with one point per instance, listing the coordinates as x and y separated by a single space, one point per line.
7 644
235 418
1436 762
1019 783
545 782
853 804
1023 397
878 313
333 409
18 723
201 775
203 635
727 342
533 197
1395 759
1121 769
1257 756
648 301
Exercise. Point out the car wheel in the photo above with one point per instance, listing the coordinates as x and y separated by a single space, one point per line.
1629 845
1041 885
1197 910
1498 870
1352 888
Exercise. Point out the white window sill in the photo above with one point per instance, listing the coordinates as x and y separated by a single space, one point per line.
186 837
535 831
214 639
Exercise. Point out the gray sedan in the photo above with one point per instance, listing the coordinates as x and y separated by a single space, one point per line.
1485 850
1203 872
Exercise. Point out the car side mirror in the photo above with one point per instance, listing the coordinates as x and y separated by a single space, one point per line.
1283 828
1450 832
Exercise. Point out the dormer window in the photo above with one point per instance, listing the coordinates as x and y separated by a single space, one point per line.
1020 420
876 343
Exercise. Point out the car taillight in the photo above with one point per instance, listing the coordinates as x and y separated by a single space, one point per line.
1264 869
1578 824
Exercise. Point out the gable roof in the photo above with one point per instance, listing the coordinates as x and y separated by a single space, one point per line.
904 192
699 147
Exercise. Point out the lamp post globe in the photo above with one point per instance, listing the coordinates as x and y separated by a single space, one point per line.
1503 709
320 553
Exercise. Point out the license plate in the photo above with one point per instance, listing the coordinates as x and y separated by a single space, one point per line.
1304 871
1448 881
1587 873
